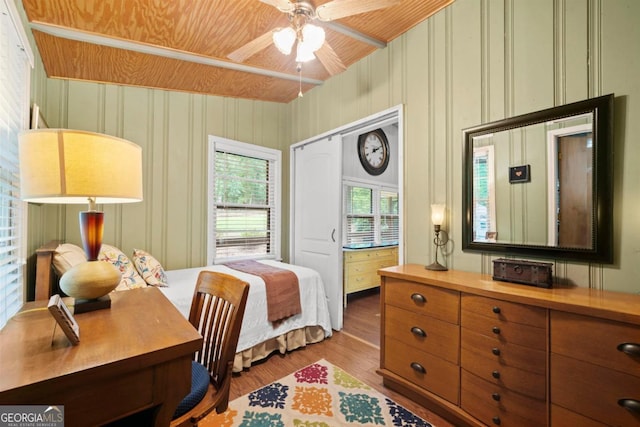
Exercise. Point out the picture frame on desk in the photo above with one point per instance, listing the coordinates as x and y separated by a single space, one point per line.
64 318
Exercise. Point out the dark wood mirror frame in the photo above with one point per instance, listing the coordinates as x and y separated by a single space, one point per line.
601 250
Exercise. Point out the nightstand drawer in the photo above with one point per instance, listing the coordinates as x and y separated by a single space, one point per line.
495 405
423 369
442 304
423 333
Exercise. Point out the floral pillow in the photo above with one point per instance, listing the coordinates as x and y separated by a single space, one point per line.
149 268
130 277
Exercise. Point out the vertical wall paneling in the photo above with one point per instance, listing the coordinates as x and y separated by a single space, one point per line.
473 62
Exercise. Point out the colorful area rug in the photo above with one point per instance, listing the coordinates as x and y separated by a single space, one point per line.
319 395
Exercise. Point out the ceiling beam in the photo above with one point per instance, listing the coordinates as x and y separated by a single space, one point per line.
357 35
71 34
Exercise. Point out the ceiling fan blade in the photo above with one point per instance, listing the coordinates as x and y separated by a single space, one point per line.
330 60
337 9
251 48
282 5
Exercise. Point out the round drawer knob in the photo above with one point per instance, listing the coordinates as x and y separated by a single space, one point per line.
496 310
495 330
495 396
495 351
496 420
495 374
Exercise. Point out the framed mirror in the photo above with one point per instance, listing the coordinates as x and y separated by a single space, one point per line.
541 184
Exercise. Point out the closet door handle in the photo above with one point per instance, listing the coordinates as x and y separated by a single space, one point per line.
630 348
333 235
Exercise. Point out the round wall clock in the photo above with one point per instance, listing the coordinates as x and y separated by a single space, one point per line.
373 151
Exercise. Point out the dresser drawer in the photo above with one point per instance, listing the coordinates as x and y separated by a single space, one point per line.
494 405
507 312
423 333
523 381
596 341
593 391
504 331
423 369
564 417
442 304
357 282
490 347
371 254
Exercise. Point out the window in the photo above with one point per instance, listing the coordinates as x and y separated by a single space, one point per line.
244 219
371 216
484 207
15 68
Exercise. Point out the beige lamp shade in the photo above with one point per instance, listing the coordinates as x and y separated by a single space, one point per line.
69 166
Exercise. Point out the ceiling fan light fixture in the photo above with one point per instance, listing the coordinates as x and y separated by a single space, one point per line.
313 36
304 52
284 38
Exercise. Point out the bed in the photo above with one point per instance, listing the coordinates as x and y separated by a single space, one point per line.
258 336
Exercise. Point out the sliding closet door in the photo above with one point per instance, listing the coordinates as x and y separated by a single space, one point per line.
317 172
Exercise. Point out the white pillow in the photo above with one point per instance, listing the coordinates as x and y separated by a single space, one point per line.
67 256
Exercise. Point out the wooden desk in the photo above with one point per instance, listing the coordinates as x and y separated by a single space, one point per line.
132 357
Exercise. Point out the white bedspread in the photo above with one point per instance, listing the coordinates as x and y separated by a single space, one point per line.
255 326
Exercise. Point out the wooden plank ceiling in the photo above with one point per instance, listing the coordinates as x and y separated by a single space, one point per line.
183 45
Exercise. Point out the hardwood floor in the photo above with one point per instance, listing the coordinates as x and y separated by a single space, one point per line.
352 350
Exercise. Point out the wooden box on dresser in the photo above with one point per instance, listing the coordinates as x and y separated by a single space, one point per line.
482 352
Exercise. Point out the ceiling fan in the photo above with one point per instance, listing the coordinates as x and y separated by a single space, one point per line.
310 38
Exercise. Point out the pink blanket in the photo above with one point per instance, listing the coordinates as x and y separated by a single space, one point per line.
282 287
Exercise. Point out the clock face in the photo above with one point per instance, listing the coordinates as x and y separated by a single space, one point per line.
373 150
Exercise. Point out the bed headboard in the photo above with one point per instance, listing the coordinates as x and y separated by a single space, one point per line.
46 278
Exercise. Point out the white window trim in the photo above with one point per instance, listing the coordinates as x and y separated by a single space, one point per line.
249 150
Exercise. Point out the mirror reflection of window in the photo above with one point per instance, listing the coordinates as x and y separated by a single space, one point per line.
484 190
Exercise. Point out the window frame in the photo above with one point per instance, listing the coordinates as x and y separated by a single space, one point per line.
249 150
376 192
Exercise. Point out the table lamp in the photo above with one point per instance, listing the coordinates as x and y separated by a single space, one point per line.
73 167
437 218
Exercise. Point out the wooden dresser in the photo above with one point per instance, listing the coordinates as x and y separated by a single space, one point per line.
483 352
361 267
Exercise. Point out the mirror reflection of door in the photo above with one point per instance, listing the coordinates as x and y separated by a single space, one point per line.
574 214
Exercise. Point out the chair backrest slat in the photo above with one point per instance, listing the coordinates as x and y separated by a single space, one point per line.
217 310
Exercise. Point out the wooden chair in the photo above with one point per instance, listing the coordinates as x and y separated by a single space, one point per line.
216 312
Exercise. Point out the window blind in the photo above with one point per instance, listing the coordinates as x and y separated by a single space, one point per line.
371 216
14 79
245 212
389 221
360 220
